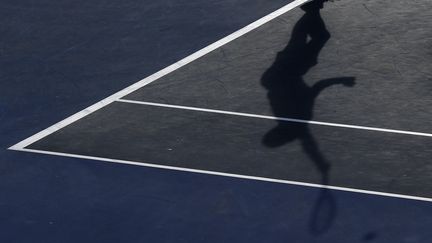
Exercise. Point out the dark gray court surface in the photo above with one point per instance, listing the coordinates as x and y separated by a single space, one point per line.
375 70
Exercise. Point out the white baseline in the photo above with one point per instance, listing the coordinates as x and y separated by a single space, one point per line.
296 183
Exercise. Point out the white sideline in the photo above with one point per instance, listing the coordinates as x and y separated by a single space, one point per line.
256 178
376 129
77 116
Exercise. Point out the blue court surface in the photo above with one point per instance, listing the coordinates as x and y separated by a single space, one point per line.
216 121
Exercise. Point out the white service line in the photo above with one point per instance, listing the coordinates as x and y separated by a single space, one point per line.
157 75
256 178
376 129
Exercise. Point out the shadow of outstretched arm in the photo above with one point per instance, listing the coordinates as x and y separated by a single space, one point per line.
325 83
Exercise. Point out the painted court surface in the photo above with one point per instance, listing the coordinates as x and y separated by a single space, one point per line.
305 126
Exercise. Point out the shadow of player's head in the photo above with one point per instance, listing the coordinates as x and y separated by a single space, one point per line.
314 5
308 37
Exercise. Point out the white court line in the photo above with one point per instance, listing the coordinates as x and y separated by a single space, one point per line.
157 75
256 178
376 129
77 116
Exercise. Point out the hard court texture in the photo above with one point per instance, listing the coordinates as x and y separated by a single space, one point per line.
369 64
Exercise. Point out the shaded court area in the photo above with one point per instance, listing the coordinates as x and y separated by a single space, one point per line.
321 97
341 64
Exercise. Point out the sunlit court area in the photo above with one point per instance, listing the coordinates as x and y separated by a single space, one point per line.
295 121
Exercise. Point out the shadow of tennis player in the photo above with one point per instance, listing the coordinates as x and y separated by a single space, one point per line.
291 97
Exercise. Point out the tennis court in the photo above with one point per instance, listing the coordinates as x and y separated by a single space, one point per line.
306 124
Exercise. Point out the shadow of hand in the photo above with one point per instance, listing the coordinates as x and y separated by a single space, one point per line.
348 81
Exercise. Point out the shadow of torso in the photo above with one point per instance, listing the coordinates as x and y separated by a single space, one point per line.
289 95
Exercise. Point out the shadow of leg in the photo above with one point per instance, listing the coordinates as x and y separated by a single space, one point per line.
311 149
325 208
